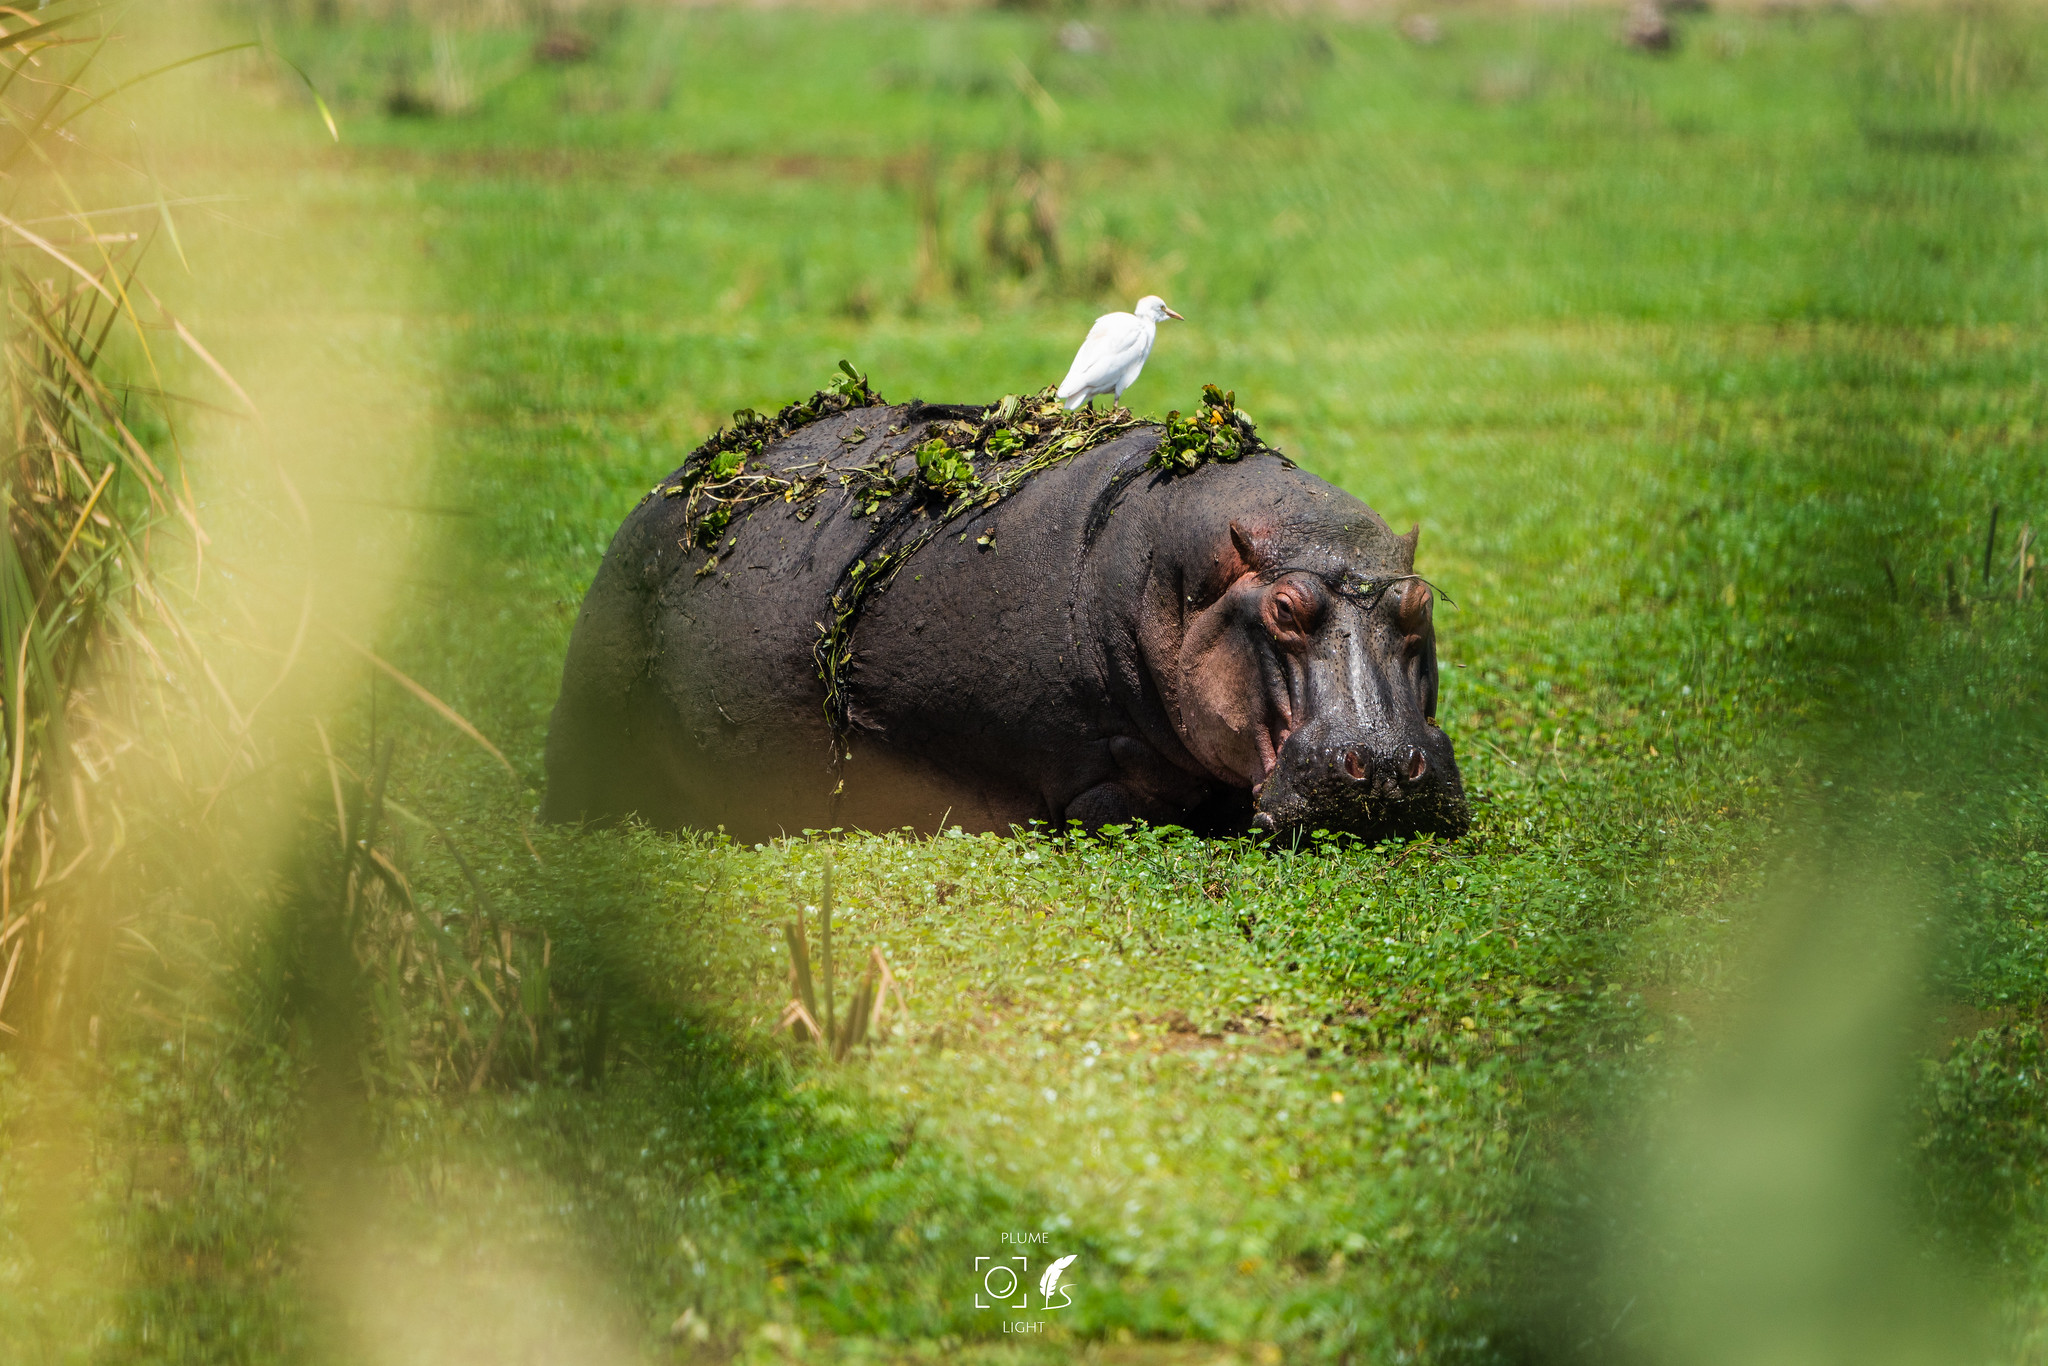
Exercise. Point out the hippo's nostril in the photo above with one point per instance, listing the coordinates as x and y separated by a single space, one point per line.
1414 765
1354 766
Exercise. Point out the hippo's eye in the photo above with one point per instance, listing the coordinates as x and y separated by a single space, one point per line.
1290 612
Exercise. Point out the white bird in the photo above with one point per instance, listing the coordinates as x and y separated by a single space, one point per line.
1109 361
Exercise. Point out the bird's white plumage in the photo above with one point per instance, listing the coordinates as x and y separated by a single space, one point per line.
1115 351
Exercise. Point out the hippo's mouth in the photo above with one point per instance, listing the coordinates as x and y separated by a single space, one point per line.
1280 724
1272 739
1349 791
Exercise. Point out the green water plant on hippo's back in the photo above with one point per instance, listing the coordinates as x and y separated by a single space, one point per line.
945 472
1218 430
720 479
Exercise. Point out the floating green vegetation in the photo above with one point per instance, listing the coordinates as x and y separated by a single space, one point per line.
1219 430
1013 439
945 471
941 473
721 479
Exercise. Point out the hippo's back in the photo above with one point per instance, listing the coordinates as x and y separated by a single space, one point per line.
691 695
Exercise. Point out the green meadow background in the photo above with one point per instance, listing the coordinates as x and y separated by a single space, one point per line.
1705 375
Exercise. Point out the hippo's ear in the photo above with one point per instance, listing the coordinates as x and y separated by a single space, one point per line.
1412 608
1405 557
1418 642
1234 559
1248 554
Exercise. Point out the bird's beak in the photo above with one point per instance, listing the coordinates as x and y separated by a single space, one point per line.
1171 314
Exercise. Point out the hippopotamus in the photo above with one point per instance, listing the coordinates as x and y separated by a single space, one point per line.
1234 646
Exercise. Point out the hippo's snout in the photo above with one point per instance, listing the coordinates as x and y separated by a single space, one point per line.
1365 787
1407 772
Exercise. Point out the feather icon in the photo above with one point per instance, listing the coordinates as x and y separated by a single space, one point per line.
1050 1281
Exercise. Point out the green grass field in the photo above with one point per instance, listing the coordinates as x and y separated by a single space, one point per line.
1703 375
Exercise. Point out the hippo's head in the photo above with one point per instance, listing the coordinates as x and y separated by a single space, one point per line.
1313 682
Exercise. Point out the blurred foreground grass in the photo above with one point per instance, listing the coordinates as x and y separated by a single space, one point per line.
1703 375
